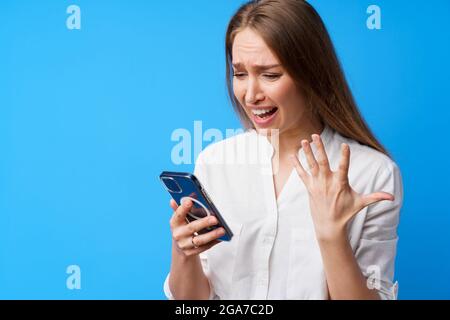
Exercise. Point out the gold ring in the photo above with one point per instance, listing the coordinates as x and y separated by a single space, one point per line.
192 240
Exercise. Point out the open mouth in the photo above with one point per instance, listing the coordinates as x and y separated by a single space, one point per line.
264 113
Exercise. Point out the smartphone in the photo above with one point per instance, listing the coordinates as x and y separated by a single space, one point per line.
183 185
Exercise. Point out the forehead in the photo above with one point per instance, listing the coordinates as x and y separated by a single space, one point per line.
250 49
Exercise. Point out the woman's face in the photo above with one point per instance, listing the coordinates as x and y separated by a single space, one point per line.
263 88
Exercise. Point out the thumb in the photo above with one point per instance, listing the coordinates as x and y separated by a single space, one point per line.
375 197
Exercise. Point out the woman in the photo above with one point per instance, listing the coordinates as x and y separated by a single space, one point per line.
323 224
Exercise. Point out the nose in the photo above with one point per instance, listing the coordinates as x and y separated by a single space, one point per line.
253 94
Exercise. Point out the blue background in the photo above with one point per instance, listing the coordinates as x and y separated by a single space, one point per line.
86 118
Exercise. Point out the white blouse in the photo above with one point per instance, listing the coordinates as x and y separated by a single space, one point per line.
274 253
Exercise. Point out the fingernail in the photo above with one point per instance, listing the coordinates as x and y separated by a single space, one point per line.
221 231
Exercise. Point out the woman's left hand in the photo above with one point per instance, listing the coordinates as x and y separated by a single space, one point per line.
332 200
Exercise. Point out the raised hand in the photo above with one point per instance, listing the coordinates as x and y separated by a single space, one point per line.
332 200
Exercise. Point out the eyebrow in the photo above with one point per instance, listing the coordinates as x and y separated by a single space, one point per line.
257 66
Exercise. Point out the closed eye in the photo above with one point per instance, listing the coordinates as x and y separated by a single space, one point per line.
272 76
239 74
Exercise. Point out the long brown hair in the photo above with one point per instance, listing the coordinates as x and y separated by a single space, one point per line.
296 34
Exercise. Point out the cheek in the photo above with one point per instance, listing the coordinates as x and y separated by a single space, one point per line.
282 94
289 100
238 90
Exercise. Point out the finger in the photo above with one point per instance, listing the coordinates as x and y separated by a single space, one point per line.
193 227
173 204
195 251
313 166
344 163
375 197
179 216
322 158
185 243
206 238
191 242
299 168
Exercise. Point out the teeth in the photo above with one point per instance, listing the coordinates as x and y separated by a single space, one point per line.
261 111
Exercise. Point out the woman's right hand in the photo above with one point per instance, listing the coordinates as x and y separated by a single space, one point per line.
183 233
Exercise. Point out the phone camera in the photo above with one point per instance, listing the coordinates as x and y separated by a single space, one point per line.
171 185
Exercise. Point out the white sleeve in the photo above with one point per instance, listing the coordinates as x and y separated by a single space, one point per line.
200 173
376 250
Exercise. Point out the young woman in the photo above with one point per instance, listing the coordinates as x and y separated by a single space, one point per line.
323 223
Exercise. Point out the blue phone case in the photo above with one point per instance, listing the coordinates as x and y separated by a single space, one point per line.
185 185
